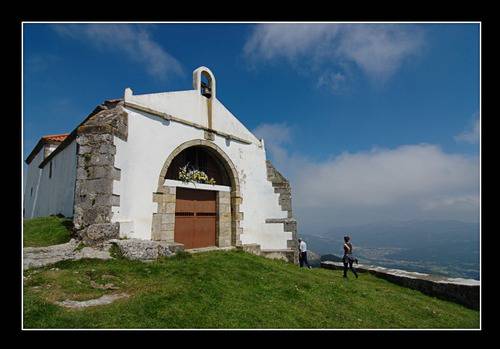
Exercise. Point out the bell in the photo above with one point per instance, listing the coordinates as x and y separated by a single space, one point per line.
205 91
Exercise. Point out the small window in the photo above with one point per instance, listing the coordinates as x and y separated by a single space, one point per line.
31 191
50 170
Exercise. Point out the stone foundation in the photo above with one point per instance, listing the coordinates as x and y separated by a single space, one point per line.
286 255
136 249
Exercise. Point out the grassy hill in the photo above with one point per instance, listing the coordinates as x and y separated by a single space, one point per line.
228 290
46 231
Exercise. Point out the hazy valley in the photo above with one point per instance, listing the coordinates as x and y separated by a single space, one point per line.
448 248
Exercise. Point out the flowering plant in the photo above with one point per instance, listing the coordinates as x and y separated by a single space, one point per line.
192 175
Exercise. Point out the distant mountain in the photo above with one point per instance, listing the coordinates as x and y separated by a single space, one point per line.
313 259
434 246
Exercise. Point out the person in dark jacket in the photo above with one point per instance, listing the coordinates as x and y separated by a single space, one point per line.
348 258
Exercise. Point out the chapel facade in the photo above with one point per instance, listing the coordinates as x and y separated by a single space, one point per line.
174 166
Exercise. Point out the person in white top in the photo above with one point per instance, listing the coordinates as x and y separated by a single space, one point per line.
303 254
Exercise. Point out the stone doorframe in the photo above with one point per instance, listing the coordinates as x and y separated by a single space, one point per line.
228 204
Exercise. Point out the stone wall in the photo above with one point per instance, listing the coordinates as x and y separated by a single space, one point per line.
282 187
96 172
164 218
284 255
462 291
223 219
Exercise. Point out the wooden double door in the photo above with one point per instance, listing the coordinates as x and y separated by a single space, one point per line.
195 218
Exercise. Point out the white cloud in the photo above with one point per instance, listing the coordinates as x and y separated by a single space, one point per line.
275 136
277 133
333 80
40 62
470 135
378 50
417 181
269 41
133 41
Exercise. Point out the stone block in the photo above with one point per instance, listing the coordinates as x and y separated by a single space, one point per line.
226 216
101 185
98 233
170 208
115 200
237 200
97 172
224 243
286 205
224 198
238 216
82 173
290 227
225 227
116 174
252 248
224 208
85 149
101 160
168 218
158 197
169 198
136 249
95 214
107 149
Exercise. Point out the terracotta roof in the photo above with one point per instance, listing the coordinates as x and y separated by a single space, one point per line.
65 139
55 138
44 140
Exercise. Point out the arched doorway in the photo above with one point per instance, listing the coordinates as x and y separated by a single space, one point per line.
198 215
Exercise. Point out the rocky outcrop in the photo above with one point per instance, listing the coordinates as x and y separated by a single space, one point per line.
106 299
36 257
136 249
462 291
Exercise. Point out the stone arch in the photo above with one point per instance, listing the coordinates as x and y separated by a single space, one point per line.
164 220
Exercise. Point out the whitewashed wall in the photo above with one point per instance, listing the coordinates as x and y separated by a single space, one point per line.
151 140
31 185
51 195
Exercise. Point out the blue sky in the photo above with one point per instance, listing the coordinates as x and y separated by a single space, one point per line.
342 99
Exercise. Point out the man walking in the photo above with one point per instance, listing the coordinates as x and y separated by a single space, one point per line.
303 254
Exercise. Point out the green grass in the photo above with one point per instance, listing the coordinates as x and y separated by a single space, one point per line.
46 231
229 290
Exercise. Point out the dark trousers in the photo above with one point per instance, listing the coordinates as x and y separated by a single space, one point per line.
348 265
303 259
